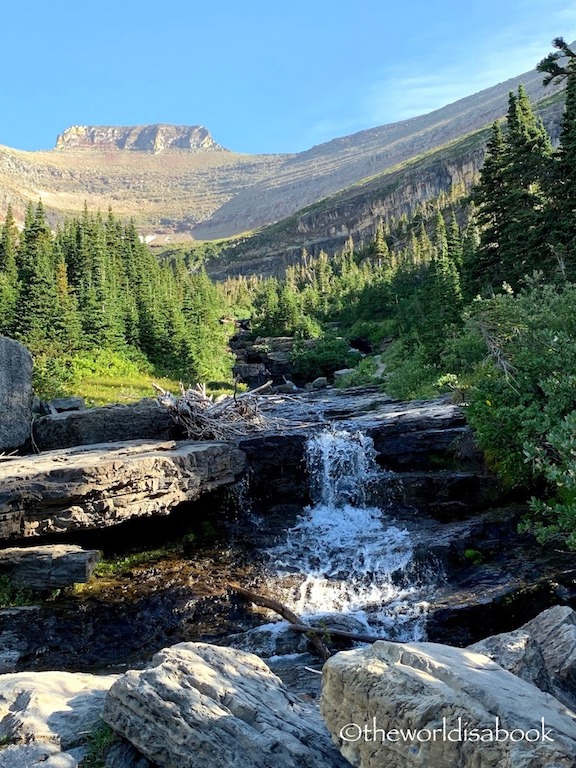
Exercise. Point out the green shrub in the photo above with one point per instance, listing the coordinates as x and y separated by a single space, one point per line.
362 374
12 595
329 354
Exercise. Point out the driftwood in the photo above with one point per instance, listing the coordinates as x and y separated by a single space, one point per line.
205 418
285 612
353 637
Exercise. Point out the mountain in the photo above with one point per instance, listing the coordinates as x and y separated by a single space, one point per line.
179 184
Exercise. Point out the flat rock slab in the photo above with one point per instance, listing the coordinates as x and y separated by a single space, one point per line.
15 393
101 485
50 566
200 705
46 718
441 694
144 420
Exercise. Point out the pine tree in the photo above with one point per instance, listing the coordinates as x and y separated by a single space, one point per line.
562 207
9 287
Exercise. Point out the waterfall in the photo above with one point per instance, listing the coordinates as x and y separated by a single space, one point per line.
345 555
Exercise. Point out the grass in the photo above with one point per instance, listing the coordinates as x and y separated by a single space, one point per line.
102 390
99 742
115 566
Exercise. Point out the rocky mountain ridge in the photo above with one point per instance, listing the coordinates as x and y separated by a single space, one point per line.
142 138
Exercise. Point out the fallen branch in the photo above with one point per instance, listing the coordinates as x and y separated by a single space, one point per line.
355 638
285 612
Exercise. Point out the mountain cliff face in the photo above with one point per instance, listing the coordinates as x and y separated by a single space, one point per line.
142 138
179 184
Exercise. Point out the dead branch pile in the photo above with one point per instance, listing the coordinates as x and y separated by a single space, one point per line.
205 418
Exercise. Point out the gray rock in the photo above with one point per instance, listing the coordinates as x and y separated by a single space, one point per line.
200 705
15 394
342 373
144 420
427 687
555 632
62 404
520 654
51 708
103 485
123 755
50 566
277 639
320 383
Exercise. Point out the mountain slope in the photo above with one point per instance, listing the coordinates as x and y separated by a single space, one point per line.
179 183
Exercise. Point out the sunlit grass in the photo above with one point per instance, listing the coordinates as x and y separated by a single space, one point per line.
102 390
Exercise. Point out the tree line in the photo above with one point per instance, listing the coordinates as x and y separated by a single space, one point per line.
93 285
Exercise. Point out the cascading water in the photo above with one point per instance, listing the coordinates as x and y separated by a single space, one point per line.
345 555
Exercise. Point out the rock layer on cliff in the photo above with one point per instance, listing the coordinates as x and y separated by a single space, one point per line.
106 484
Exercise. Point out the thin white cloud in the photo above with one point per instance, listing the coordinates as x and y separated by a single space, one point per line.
509 51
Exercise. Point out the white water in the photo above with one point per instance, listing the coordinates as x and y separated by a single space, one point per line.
345 555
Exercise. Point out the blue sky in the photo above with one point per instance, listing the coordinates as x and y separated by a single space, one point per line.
261 76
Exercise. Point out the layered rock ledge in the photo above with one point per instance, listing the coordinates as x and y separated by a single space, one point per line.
102 485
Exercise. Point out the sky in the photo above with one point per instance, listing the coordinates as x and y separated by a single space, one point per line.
263 77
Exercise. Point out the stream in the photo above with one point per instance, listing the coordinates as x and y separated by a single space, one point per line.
347 555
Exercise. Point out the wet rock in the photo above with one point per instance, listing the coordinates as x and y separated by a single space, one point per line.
252 374
103 485
144 420
277 639
449 494
199 705
278 472
15 394
425 686
48 567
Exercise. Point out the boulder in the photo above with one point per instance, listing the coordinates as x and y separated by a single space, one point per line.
15 394
520 654
144 420
103 485
555 632
423 704
320 383
48 567
200 705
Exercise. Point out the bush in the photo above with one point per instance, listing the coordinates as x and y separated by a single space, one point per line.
361 375
410 375
327 356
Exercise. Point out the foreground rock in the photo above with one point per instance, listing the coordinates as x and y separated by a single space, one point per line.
15 394
200 705
144 420
46 717
440 692
48 567
103 485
